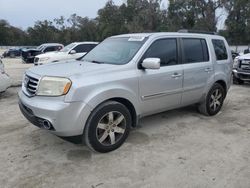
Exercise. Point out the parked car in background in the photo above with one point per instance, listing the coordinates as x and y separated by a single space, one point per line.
12 52
71 51
28 55
124 78
235 54
247 51
241 69
5 81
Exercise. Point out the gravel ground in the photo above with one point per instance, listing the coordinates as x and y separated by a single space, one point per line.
179 148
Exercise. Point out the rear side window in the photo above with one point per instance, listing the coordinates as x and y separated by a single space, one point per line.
195 50
50 49
165 49
220 49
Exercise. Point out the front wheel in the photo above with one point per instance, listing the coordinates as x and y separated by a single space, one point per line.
107 127
214 100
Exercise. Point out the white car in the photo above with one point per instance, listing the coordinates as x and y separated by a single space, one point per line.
72 51
5 81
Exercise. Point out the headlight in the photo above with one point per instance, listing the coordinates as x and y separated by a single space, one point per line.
53 86
236 62
44 59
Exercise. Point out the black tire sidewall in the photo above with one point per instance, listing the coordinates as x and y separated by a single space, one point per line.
91 126
215 86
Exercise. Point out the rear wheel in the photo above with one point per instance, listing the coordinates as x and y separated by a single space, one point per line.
214 100
108 127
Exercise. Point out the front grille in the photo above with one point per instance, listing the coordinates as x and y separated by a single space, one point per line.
244 76
31 84
245 65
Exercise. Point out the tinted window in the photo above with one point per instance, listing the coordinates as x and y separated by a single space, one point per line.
50 49
84 48
220 49
165 49
195 50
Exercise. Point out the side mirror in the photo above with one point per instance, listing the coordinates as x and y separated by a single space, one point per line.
72 52
151 63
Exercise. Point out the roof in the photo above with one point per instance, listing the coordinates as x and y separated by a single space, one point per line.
52 44
86 42
159 34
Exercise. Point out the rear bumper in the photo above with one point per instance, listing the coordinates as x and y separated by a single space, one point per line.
67 119
241 75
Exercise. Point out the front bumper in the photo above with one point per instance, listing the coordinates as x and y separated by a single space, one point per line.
241 75
67 119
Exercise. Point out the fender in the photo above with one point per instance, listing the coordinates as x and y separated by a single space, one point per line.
97 97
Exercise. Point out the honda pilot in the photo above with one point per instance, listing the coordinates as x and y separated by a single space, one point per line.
127 77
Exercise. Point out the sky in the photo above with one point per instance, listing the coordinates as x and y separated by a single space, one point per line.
24 13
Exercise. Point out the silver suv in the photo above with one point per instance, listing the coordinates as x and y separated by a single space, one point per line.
126 77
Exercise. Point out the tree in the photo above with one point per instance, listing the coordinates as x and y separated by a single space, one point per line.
10 35
194 14
238 21
43 32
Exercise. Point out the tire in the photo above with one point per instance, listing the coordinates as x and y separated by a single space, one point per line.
237 81
107 127
213 101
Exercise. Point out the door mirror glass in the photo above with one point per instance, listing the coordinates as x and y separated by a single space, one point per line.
151 63
72 52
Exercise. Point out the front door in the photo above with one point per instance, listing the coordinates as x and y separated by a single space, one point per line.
161 89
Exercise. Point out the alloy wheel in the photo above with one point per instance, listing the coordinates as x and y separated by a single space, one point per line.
111 128
216 99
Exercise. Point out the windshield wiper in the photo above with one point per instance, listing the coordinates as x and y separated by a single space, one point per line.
97 62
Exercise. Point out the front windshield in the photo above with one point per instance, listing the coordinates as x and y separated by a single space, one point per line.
68 47
116 51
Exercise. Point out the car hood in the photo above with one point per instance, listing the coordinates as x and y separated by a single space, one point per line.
52 54
71 68
245 56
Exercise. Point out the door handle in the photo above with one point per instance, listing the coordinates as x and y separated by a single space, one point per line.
176 75
208 69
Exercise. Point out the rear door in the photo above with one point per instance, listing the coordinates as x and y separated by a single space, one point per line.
198 69
161 89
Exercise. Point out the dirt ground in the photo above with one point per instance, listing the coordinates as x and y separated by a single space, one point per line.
179 148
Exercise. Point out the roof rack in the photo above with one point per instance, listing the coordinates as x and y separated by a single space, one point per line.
197 31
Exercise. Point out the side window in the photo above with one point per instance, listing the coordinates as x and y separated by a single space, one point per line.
165 49
58 48
84 48
49 49
220 49
195 50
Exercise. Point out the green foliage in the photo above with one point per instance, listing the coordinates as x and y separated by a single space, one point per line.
238 21
137 16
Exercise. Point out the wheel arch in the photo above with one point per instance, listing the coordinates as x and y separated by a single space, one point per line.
121 95
128 104
130 107
223 84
